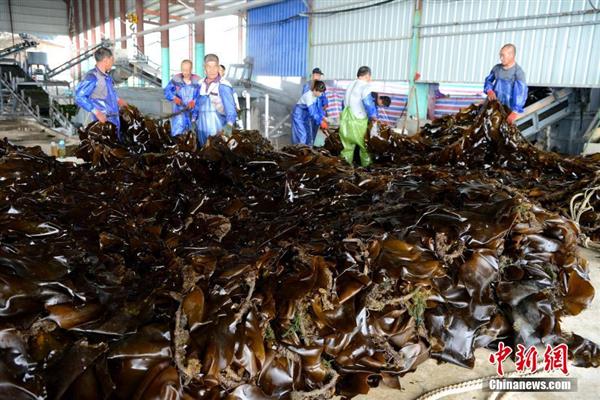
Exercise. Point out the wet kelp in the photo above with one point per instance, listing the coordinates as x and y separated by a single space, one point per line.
479 144
159 270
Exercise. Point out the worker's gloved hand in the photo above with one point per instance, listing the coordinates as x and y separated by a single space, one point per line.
324 124
122 103
491 95
100 116
511 117
177 101
228 130
191 104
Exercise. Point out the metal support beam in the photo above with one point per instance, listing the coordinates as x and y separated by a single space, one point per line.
77 35
241 37
93 21
122 17
111 19
191 41
185 4
309 58
12 28
417 92
164 43
199 39
102 15
84 19
235 9
139 12
71 30
155 13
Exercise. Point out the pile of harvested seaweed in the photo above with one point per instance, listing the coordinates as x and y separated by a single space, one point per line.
159 270
477 143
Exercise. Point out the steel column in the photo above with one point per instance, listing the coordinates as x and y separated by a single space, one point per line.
122 17
164 43
93 21
139 12
199 39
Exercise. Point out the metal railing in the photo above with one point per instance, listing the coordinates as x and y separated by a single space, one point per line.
15 102
545 112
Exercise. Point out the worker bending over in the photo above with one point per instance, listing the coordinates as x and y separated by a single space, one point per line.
506 82
382 102
322 101
215 106
96 92
359 108
307 114
182 91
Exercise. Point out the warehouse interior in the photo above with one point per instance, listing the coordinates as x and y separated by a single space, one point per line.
354 206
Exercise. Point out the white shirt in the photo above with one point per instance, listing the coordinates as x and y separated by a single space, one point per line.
212 90
307 99
356 92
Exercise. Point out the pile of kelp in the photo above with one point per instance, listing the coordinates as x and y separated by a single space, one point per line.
157 270
476 143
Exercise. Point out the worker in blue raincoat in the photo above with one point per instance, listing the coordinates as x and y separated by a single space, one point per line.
359 108
382 102
96 92
506 82
306 114
215 106
183 90
235 98
322 101
238 122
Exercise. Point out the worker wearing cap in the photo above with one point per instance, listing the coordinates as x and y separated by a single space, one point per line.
215 106
359 108
182 91
506 82
322 102
96 92
306 114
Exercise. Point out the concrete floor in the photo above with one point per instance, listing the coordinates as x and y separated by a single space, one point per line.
28 132
429 375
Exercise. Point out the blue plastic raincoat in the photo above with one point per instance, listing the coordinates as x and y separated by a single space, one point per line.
96 92
214 109
186 92
322 101
509 86
305 116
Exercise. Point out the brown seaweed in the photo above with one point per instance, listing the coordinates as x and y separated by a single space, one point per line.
160 270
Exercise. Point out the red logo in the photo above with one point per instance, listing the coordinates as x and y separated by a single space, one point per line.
499 357
555 358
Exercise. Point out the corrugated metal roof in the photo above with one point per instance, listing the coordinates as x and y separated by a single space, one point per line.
553 51
277 39
185 8
38 17
378 37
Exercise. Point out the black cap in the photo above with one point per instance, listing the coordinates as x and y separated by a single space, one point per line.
317 71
